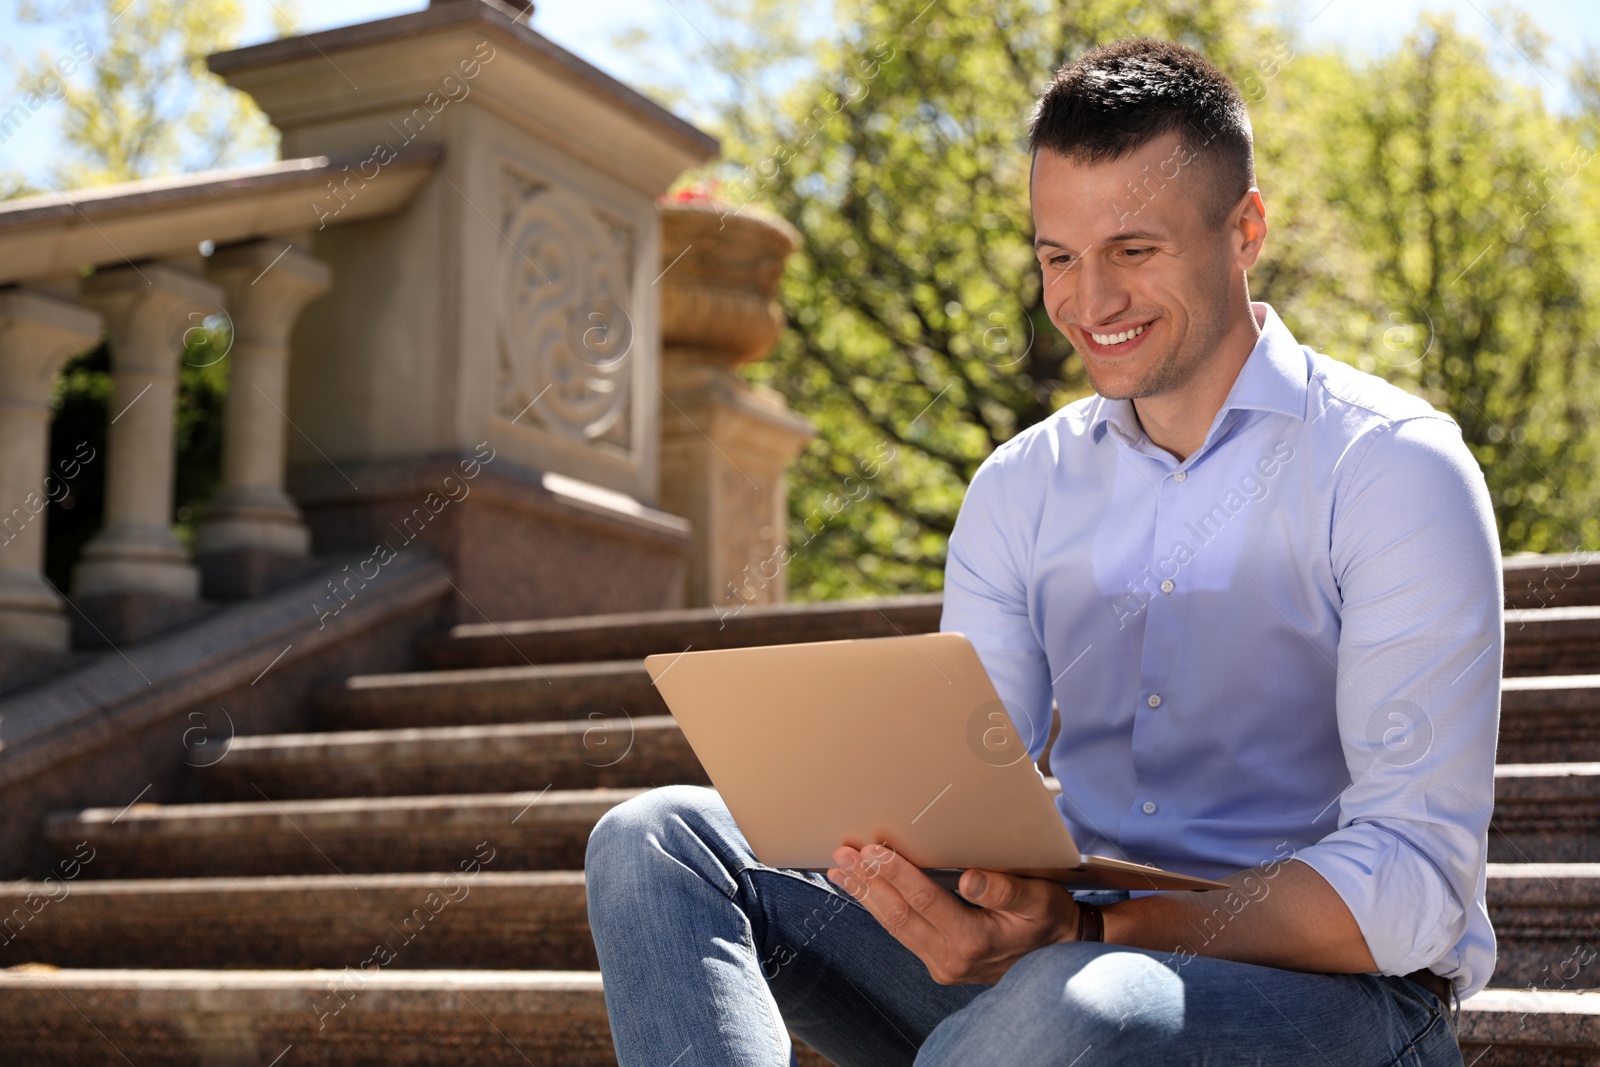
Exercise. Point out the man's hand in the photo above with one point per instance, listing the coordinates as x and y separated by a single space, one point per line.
958 944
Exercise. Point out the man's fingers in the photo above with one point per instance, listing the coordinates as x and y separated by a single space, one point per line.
862 876
896 891
921 893
847 876
998 892
917 889
1015 901
853 873
957 943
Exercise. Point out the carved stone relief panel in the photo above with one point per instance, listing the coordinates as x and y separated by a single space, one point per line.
563 333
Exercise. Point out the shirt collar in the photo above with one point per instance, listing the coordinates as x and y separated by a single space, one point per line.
1273 378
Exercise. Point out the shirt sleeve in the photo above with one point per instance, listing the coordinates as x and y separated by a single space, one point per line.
986 597
1417 560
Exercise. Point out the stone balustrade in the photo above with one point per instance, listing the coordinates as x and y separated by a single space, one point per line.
38 334
135 577
134 574
253 535
412 300
723 451
123 264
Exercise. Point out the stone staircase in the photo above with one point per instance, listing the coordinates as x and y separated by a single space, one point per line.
405 886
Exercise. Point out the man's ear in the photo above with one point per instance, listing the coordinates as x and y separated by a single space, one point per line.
1249 229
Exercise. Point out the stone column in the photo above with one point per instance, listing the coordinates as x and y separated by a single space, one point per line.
38 334
134 578
253 536
725 444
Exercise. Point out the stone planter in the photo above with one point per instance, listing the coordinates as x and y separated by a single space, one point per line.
725 445
717 297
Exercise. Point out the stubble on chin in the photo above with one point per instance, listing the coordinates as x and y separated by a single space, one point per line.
1157 377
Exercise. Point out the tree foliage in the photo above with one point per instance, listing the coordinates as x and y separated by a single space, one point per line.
132 91
1426 225
1450 258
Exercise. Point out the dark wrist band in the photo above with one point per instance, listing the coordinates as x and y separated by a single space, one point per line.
1091 925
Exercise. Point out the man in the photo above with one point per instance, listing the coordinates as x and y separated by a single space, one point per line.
1263 589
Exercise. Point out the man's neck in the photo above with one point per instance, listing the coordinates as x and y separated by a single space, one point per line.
1178 420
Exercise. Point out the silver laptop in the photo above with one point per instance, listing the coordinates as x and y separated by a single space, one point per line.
896 740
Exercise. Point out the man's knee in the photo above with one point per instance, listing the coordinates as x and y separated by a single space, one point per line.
647 819
1128 994
1059 1001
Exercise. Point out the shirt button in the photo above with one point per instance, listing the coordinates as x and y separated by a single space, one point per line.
1166 585
1180 476
1155 700
1149 807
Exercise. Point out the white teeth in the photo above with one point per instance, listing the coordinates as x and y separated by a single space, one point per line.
1118 338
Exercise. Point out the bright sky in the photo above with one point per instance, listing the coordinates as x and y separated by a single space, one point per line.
586 27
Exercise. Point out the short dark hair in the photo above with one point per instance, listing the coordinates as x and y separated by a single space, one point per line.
1119 97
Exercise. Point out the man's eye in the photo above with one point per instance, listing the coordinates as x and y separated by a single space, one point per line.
1137 253
1060 261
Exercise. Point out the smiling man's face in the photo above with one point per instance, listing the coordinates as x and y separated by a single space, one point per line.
1141 287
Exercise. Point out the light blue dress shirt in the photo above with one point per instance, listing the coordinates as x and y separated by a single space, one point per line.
1287 645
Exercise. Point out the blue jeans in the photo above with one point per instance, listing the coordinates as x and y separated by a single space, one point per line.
709 957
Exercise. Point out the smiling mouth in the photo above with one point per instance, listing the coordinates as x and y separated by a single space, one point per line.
1118 338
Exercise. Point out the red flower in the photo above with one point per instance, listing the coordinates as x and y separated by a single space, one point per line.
699 191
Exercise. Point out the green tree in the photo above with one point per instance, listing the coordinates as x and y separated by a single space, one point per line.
916 322
1459 272
131 87
919 329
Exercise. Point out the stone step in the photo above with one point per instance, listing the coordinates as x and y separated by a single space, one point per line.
537 830
580 754
1550 718
634 636
1519 1028
1557 640
1535 581
1531 582
1543 718
1547 924
386 1018
1532 586
1543 642
1545 813
1546 917
484 696
488 920
110 1018
215 1017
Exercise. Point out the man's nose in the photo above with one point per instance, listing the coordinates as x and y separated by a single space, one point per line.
1099 296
